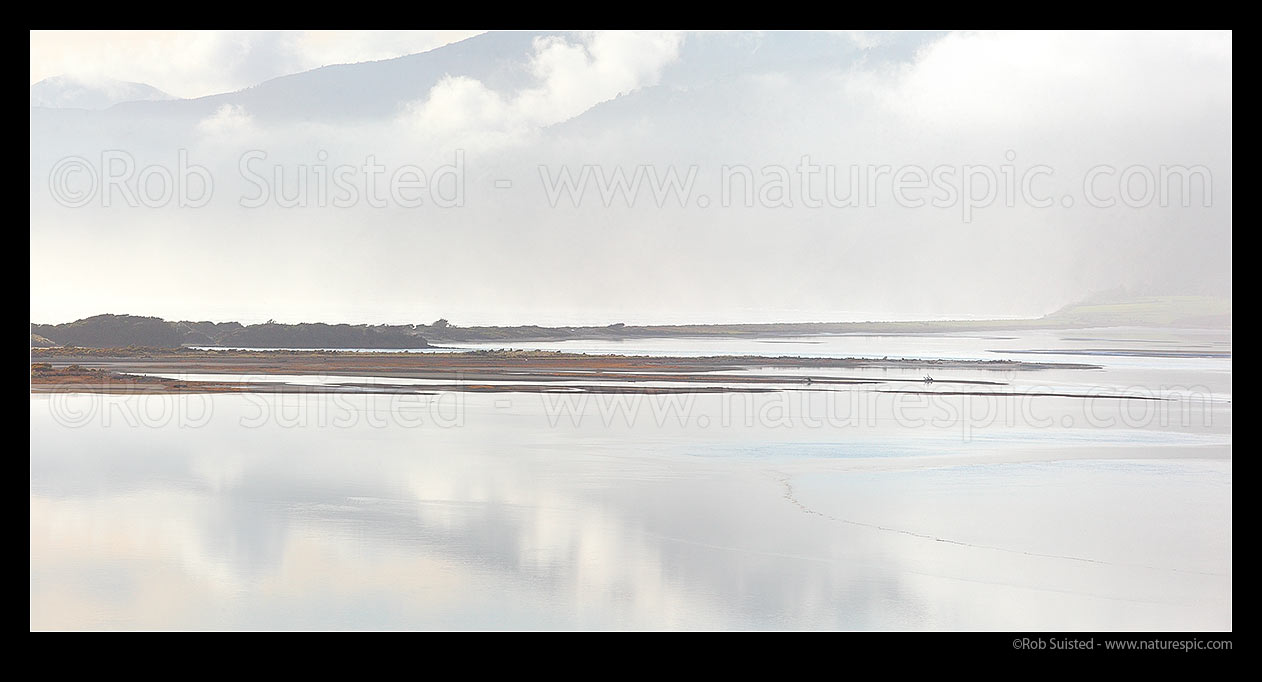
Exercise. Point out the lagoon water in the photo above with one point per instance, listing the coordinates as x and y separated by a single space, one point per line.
803 509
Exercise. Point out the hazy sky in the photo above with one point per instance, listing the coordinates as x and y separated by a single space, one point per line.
833 176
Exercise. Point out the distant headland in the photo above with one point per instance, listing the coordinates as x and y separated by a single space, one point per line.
120 331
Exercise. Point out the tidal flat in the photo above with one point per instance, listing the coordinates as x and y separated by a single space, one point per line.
346 491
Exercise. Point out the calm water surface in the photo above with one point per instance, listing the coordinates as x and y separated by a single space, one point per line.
798 509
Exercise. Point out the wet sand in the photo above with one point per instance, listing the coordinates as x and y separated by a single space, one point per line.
126 370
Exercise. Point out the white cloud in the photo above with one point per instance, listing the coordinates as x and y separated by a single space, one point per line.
229 119
462 105
572 77
1029 80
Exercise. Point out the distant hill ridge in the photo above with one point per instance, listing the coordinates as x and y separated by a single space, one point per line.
117 331
66 92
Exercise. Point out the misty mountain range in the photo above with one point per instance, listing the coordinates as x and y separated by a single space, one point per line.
67 92
514 106
499 60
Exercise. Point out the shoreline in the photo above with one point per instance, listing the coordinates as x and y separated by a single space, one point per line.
132 370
